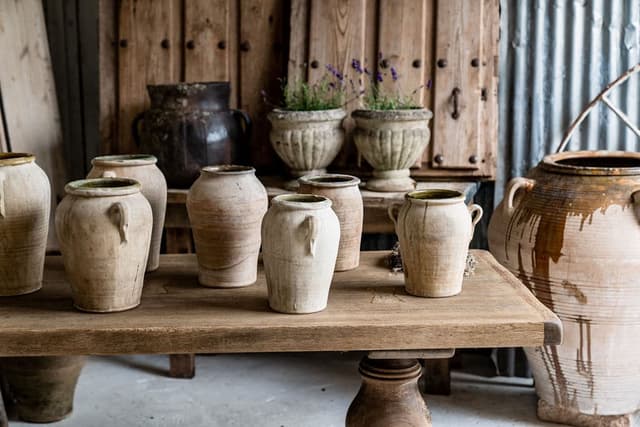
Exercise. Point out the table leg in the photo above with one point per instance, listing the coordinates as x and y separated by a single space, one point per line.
389 395
182 365
437 376
4 421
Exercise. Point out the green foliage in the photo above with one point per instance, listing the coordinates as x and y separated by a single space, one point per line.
322 95
376 99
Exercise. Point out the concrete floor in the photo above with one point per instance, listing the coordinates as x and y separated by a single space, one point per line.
270 390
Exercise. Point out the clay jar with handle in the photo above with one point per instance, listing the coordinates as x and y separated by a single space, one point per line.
104 227
300 235
189 126
434 228
226 205
142 168
346 202
25 202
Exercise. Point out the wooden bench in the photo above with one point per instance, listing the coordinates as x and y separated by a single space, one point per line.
368 310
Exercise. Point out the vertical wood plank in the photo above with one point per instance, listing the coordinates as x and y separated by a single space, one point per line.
429 68
262 41
298 40
30 106
108 75
458 43
488 137
401 40
88 41
143 25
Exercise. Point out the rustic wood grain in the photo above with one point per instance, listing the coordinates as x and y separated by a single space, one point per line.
143 25
488 131
458 42
207 26
368 310
437 376
298 40
29 103
263 47
108 75
411 354
182 366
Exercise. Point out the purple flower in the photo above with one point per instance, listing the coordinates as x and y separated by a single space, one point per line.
355 64
334 72
394 74
379 76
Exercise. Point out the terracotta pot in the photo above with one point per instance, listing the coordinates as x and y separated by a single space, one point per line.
189 126
346 202
25 200
42 387
142 168
226 205
391 141
307 141
434 228
300 235
570 231
104 226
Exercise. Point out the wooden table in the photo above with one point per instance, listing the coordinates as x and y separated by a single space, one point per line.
368 310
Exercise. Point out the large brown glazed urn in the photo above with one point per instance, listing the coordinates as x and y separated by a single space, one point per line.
570 231
189 126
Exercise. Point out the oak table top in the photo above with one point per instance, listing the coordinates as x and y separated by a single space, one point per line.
368 310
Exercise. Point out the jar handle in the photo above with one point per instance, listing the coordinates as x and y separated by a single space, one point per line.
476 215
393 211
242 116
313 229
122 211
108 174
513 187
135 127
3 211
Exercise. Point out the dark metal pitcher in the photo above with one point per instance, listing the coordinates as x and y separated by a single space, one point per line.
189 126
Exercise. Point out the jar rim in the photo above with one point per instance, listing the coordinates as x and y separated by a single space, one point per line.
301 201
435 196
227 170
124 160
329 180
14 159
103 187
593 162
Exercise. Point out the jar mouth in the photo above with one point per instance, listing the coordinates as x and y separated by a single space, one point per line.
103 187
302 201
329 180
228 169
593 163
124 160
436 195
13 159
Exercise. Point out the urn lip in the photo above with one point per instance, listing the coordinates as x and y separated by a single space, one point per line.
301 201
103 187
437 196
408 114
278 114
329 180
124 160
592 162
227 170
14 159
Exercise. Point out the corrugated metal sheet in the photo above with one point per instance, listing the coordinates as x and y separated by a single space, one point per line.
556 55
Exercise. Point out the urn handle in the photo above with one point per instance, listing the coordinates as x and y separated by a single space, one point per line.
3 211
393 211
476 215
513 187
313 229
135 127
120 209
108 174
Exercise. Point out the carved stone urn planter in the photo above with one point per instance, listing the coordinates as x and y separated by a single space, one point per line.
391 141
307 141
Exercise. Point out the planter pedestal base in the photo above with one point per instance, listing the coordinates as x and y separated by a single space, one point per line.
561 415
391 181
389 395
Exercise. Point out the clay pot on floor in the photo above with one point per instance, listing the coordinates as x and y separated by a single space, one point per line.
142 168
226 205
391 141
307 141
25 202
189 126
42 388
346 202
434 228
104 227
300 235
570 231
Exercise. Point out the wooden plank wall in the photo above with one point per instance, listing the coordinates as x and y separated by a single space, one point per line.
252 43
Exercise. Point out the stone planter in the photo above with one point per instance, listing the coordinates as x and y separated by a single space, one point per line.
434 228
142 168
104 227
25 203
346 202
391 141
42 388
300 235
307 141
226 205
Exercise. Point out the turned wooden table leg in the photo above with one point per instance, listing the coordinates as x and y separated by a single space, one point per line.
437 376
389 395
182 365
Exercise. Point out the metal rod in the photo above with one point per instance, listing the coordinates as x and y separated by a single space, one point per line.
621 115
